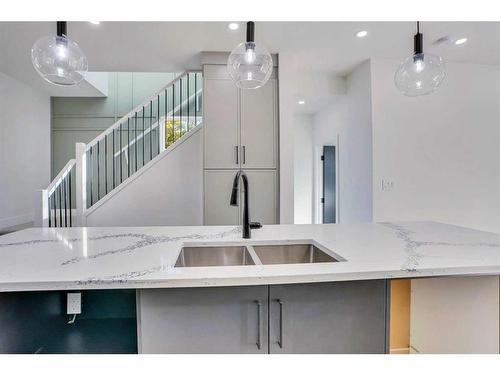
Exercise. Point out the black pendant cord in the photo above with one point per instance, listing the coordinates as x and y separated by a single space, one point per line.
62 28
250 32
418 41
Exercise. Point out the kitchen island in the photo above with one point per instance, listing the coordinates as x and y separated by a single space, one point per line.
259 306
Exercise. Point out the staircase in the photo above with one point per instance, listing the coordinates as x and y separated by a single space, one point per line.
108 162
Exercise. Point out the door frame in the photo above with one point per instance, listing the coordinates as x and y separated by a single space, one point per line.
318 181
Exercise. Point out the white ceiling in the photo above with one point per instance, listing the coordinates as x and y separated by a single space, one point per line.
315 49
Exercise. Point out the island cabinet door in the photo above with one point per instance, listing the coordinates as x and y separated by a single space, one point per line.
203 320
339 317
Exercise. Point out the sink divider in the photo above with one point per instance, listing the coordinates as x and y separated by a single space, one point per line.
254 255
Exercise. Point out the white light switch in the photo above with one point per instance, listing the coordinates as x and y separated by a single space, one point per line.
74 303
387 185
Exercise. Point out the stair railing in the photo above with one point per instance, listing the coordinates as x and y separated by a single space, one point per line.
121 150
57 201
142 134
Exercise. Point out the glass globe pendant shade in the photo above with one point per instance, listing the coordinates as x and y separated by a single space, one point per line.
420 74
250 65
59 60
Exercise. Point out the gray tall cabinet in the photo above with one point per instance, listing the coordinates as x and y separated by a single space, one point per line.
240 132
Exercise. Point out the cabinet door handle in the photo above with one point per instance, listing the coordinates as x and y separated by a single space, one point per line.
237 159
259 324
280 340
244 154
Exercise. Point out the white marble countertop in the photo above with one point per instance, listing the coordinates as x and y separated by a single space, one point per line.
144 257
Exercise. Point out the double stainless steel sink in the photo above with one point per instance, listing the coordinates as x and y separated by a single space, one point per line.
254 254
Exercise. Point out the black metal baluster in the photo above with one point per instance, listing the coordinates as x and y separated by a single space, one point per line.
114 152
128 147
50 209
165 120
54 207
143 127
98 170
91 169
150 130
60 205
105 164
158 125
195 98
189 107
135 141
180 106
63 183
70 200
121 155
173 112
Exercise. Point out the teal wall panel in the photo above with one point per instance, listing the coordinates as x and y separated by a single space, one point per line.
36 322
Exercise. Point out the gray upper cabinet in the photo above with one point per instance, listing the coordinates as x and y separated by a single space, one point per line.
221 125
332 318
203 320
258 127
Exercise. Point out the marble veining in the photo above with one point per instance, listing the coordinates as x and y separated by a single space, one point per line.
412 246
145 240
122 278
144 257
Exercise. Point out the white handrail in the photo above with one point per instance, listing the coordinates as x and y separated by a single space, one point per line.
60 176
138 108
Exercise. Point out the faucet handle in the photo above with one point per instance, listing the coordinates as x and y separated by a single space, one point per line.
255 225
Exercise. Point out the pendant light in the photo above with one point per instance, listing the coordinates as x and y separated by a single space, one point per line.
250 65
421 73
58 59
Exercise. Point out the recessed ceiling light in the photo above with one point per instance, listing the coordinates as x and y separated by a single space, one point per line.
95 22
460 41
233 26
301 102
361 34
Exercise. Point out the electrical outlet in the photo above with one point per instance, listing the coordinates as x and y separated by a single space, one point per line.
74 303
387 185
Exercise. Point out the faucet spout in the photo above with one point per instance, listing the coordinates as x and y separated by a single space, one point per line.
234 200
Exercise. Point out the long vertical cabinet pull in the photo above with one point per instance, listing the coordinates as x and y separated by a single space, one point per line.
259 324
237 158
244 158
280 340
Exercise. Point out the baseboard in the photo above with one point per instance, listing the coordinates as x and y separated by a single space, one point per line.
400 351
13 221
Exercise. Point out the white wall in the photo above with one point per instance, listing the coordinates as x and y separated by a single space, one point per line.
303 169
442 151
348 120
174 186
287 77
24 149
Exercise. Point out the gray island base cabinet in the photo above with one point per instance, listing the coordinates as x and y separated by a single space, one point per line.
336 317
203 320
